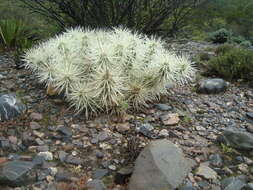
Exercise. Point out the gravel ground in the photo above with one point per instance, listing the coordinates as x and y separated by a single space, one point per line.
99 147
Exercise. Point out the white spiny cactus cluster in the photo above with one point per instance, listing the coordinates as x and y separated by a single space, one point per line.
98 70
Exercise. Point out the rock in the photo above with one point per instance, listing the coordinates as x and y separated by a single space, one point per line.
250 128
216 160
65 131
112 167
63 176
123 127
206 172
47 155
248 161
170 119
100 173
10 107
62 155
42 148
38 134
94 140
74 160
233 183
161 165
249 115
96 185
38 160
53 171
243 168
5 144
17 173
200 128
238 139
249 186
3 160
164 133
13 139
102 136
188 188
147 130
163 107
99 154
36 116
122 175
34 125
212 86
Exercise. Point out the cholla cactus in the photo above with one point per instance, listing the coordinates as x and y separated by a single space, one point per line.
98 70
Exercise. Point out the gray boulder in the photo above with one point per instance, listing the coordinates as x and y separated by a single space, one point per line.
160 166
233 183
238 139
17 173
96 184
212 86
10 107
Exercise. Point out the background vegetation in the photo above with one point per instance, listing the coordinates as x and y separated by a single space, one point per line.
189 18
25 22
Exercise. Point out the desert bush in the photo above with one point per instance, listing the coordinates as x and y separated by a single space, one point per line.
232 63
223 49
14 34
100 70
147 16
220 36
205 56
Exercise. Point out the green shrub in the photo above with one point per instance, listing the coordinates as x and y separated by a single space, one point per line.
246 43
14 34
221 50
101 70
204 56
237 39
232 63
220 36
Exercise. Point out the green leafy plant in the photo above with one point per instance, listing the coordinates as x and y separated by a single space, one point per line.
237 39
220 36
246 43
103 70
14 34
232 63
226 149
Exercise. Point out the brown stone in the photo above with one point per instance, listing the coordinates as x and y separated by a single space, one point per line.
3 160
36 116
122 127
171 119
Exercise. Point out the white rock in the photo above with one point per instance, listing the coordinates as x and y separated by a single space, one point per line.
53 171
47 155
164 133
112 167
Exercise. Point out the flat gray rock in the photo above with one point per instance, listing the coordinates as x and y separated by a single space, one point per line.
10 107
206 172
249 186
212 86
96 184
233 183
238 139
17 173
161 165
